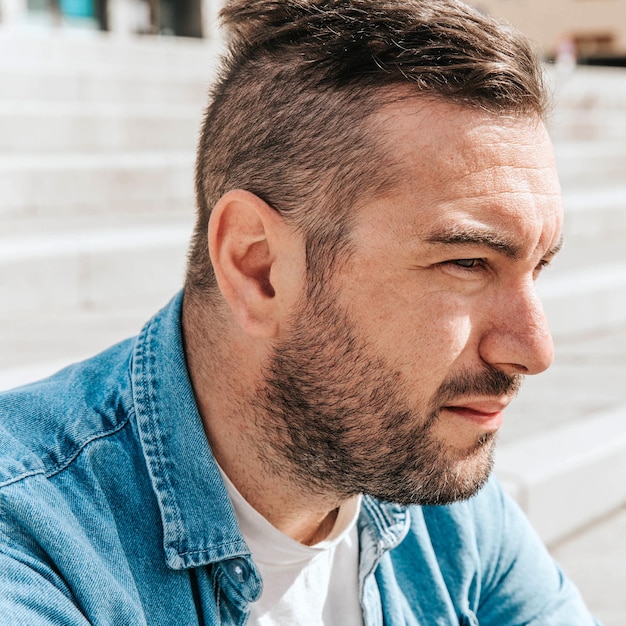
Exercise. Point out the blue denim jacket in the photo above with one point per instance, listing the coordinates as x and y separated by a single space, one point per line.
113 512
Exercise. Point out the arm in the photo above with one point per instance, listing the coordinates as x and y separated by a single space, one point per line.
50 573
32 594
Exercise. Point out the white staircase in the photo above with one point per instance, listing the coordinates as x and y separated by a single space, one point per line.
97 141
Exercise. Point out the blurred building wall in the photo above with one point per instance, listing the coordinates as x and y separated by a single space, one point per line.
190 18
597 28
590 29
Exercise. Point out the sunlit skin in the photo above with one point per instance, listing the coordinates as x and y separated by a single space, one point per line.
440 284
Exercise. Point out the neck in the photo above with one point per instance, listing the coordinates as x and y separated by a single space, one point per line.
225 369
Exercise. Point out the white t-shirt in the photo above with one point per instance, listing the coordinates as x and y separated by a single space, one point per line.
303 585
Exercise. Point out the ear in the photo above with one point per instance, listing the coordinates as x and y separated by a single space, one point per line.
247 242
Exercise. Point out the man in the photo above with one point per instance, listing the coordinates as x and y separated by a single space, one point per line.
305 435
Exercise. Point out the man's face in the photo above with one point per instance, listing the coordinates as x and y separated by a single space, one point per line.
392 379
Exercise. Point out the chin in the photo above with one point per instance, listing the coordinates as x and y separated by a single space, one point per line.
448 481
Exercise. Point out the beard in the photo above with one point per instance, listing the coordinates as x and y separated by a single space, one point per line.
334 419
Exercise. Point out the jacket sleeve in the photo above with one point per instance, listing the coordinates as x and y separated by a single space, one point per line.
50 574
32 594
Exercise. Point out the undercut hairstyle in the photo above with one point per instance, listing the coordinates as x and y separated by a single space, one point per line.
292 113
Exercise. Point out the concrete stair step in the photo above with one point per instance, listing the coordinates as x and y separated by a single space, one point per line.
34 346
591 163
585 299
31 127
34 185
586 378
562 449
589 125
590 552
595 219
590 104
60 49
589 88
567 478
97 268
103 84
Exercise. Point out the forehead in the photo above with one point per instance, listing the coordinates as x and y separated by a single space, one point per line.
452 165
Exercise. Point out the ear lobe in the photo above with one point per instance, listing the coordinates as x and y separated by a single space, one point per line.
242 245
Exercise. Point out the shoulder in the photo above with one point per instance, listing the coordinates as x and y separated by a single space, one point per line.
493 563
483 518
481 534
467 536
45 424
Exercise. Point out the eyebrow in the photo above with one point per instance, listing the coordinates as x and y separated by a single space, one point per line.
481 237
458 235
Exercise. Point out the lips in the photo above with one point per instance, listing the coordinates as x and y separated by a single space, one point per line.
488 413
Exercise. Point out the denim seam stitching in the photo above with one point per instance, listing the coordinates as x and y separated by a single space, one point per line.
21 477
85 443
79 450
153 444
192 552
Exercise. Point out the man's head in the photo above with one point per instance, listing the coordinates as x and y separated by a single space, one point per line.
381 194
292 116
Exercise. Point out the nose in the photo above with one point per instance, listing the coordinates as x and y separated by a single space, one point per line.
517 339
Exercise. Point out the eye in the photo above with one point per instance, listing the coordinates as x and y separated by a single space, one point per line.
542 265
465 267
466 263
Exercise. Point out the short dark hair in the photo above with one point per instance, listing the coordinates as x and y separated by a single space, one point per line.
290 117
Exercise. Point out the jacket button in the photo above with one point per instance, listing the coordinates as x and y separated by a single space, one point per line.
238 570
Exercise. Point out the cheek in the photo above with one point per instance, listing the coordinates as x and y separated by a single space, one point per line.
408 319
436 344
424 337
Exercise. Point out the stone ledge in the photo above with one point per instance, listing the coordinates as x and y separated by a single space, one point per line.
583 300
91 269
187 56
83 184
36 127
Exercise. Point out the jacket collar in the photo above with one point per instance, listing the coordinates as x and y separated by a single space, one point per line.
199 524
